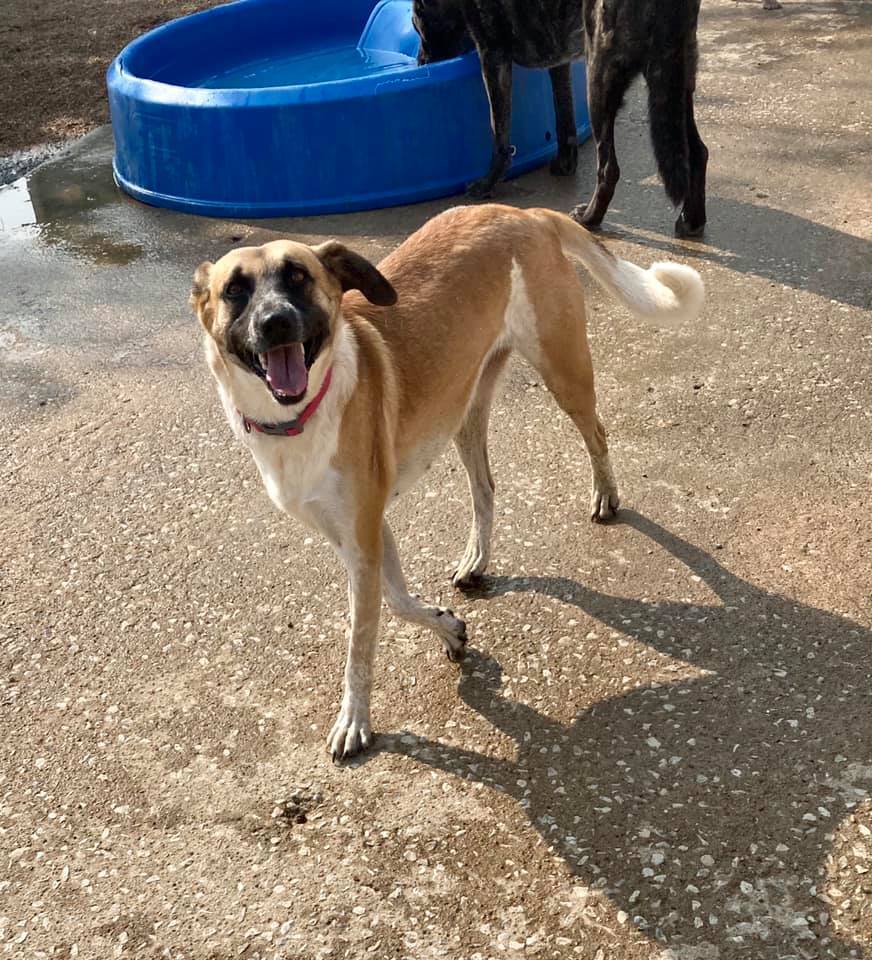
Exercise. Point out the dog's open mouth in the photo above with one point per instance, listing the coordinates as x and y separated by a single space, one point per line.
285 370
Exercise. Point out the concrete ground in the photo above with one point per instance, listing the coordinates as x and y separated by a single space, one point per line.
661 743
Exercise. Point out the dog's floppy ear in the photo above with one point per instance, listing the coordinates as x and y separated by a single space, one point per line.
199 298
355 272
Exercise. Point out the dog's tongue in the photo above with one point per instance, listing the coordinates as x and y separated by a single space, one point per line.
286 370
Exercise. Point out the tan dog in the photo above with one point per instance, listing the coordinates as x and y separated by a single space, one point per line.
344 399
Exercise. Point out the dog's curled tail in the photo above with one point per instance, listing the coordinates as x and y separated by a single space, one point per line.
666 293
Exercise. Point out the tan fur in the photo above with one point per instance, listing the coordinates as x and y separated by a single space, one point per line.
472 285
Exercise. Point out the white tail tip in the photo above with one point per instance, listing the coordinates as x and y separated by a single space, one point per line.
677 290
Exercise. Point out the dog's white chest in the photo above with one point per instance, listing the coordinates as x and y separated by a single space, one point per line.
296 471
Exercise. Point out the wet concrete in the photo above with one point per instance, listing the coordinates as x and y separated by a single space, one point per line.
661 745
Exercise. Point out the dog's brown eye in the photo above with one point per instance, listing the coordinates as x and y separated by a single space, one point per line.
296 276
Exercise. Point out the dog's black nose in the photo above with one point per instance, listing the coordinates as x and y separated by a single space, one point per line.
275 328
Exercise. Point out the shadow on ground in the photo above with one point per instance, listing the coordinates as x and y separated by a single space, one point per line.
747 238
753 240
702 808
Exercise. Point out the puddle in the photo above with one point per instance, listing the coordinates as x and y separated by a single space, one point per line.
55 205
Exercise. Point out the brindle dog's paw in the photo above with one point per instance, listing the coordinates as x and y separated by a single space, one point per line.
481 189
587 217
565 163
688 231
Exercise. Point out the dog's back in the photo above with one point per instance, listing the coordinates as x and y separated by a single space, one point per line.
542 33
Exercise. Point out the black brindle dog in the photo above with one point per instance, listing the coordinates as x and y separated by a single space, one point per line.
620 39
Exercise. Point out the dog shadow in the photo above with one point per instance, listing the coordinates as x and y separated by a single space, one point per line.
705 809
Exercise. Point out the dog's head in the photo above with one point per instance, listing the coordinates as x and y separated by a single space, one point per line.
442 28
274 310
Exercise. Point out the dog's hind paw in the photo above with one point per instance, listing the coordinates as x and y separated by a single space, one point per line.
351 734
565 163
481 189
469 571
687 231
452 632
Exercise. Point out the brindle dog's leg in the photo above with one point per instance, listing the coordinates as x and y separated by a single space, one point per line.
566 161
607 82
497 72
692 219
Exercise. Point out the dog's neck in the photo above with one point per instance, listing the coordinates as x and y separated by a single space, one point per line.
252 398
294 427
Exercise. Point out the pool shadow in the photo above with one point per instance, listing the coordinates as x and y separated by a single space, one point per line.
704 807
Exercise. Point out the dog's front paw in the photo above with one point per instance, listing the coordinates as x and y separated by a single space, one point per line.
452 631
351 734
604 501
565 163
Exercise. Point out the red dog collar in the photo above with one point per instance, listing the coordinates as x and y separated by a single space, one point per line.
289 428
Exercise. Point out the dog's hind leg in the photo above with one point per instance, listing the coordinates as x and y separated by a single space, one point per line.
450 629
497 72
692 219
471 442
566 161
607 82
563 359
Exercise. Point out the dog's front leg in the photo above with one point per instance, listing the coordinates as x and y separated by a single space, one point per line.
352 732
497 72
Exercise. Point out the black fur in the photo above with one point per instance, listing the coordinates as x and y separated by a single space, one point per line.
620 39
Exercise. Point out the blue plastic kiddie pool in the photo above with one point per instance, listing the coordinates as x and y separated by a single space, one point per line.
266 108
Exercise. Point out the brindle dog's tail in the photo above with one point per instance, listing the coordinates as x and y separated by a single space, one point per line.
670 76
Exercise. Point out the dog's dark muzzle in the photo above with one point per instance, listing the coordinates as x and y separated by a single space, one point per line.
280 345
273 326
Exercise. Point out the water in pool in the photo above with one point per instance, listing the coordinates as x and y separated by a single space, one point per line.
319 66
